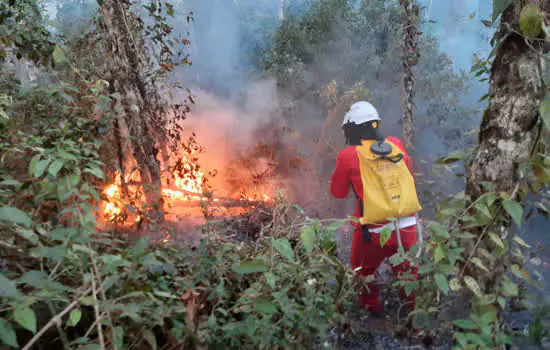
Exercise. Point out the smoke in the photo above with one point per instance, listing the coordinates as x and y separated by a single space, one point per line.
228 135
237 116
236 111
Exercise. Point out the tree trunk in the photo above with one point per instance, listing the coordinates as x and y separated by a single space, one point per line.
507 136
140 100
281 10
410 59
508 128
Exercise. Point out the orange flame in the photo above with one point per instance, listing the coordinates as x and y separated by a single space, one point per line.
187 186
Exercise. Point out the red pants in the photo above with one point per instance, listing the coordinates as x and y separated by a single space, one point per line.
369 255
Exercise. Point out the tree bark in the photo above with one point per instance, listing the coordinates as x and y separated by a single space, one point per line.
140 99
508 128
410 59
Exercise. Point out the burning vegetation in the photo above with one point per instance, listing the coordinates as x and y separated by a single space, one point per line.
246 181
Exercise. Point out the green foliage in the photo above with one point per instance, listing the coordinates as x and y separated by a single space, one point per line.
274 292
539 328
279 295
467 247
22 25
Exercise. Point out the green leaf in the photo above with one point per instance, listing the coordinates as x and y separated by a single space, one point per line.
55 167
7 334
14 216
396 259
439 230
164 294
149 336
88 301
118 333
11 183
477 261
472 285
439 254
270 278
514 209
56 253
141 246
452 157
58 56
33 162
97 172
530 20
466 324
474 338
251 266
74 318
7 288
28 234
442 283
282 245
426 268
41 167
502 302
545 112
385 236
499 6
454 284
503 338
520 241
265 307
308 237
496 239
26 318
113 262
510 288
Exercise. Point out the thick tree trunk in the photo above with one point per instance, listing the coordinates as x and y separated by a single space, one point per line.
410 59
140 100
508 132
508 128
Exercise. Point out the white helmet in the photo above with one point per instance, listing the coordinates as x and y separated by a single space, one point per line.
361 112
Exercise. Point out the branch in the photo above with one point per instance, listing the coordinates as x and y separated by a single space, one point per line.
97 315
103 296
54 320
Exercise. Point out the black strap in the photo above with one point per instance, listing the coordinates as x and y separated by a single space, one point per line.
359 199
395 159
364 228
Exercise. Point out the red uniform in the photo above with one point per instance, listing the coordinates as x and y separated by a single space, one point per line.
369 255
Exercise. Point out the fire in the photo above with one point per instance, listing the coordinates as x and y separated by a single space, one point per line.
186 184
111 209
192 179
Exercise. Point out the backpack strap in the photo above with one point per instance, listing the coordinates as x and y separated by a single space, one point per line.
364 228
395 159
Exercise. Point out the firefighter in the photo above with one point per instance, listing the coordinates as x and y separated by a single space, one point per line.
376 190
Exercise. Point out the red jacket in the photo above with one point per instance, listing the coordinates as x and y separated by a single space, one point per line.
347 173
